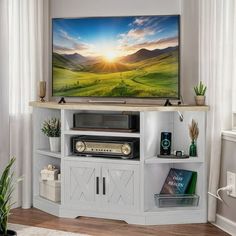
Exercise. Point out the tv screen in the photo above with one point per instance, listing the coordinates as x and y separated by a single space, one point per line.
131 57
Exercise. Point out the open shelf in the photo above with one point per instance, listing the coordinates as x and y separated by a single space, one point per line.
160 172
102 133
156 160
103 159
48 153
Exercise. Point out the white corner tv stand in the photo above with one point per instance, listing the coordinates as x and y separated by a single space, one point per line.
130 184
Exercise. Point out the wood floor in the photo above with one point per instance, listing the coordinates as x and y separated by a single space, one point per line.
102 227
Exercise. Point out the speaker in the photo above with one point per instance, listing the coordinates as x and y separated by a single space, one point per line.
106 121
165 145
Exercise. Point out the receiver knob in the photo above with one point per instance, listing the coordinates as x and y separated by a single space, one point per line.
126 149
80 146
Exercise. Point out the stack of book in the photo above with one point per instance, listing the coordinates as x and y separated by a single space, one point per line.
180 181
178 189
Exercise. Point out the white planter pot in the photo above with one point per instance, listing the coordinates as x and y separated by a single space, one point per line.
200 100
55 144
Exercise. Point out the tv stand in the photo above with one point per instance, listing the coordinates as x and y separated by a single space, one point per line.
116 188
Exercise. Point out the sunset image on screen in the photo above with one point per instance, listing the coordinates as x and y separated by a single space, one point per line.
116 57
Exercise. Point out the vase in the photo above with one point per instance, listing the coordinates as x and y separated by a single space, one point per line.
200 100
193 149
9 233
42 90
55 144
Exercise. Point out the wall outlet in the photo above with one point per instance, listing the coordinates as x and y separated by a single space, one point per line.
231 181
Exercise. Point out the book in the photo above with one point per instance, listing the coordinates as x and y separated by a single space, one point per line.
192 185
179 181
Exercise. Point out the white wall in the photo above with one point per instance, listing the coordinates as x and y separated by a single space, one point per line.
189 21
77 8
190 48
228 163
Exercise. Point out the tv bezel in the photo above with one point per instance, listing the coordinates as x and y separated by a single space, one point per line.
120 97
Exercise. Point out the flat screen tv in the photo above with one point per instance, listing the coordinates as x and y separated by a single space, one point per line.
128 57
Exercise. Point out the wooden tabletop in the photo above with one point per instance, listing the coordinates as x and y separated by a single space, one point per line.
116 107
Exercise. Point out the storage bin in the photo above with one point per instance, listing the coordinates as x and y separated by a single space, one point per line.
50 190
176 200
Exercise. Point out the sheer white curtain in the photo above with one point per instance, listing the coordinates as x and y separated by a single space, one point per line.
27 41
217 71
4 78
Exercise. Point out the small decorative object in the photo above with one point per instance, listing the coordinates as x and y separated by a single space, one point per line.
49 173
165 147
52 129
193 133
42 90
178 153
6 191
200 91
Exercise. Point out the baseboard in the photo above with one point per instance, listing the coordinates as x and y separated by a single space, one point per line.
225 224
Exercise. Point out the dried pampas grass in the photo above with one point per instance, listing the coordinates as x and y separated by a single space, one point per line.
193 130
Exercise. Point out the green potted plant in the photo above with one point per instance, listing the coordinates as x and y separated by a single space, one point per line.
6 190
200 91
52 129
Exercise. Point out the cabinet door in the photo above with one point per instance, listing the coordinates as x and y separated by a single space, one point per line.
81 184
120 186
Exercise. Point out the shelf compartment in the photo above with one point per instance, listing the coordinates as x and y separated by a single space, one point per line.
176 200
155 176
102 133
41 141
48 153
156 160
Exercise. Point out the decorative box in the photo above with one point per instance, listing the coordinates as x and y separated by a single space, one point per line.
49 173
50 190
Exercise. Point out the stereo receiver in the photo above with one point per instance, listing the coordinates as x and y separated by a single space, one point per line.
126 148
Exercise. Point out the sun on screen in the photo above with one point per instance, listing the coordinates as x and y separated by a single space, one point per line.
110 56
